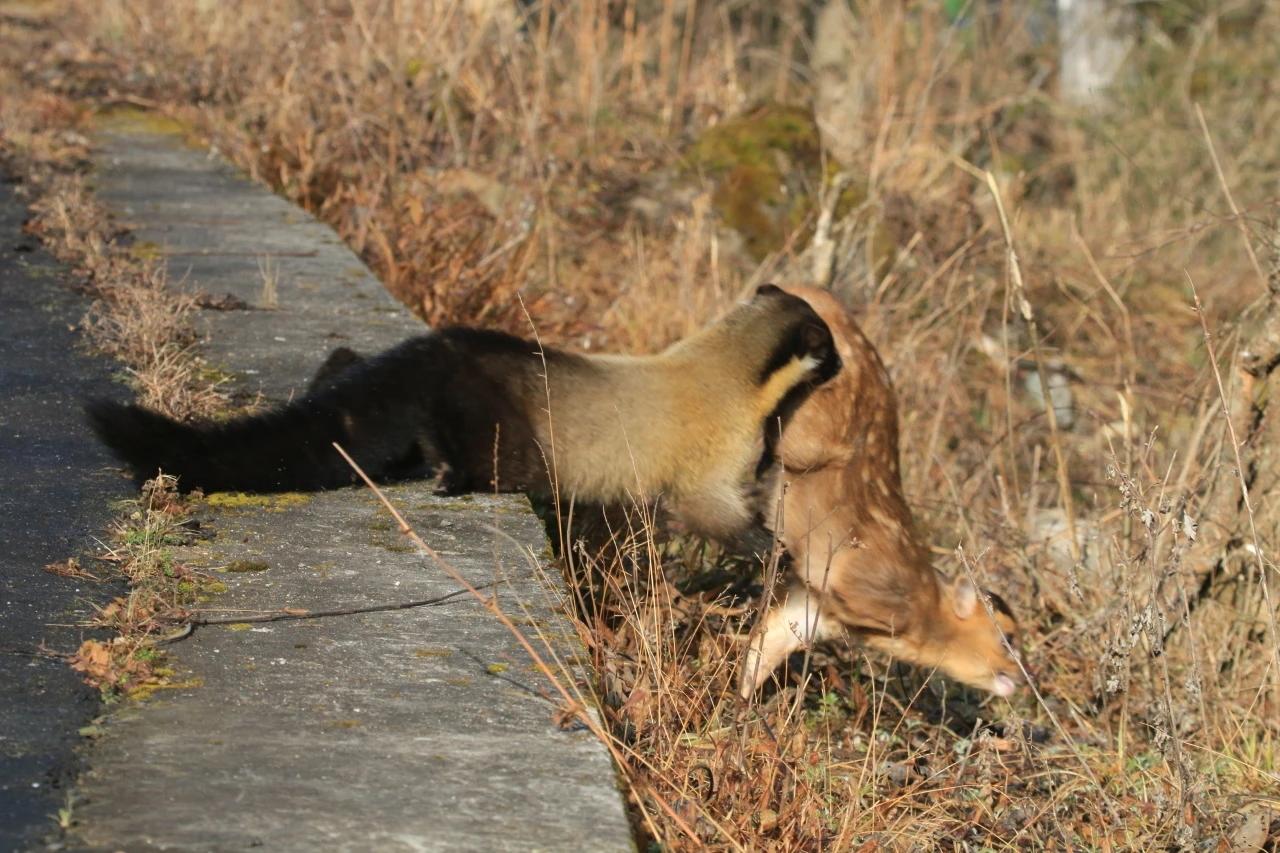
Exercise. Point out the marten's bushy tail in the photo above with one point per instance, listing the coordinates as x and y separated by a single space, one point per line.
291 449
372 410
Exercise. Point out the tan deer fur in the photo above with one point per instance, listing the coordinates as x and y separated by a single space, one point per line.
860 569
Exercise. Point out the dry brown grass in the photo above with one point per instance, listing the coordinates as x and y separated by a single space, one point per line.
134 316
471 154
161 588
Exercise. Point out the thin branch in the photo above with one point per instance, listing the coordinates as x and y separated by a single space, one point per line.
1028 316
285 613
1258 553
1231 202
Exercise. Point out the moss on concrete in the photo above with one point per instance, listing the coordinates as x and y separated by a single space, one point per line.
135 120
145 250
241 500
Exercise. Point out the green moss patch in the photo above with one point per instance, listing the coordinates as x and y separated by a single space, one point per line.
241 500
139 121
766 166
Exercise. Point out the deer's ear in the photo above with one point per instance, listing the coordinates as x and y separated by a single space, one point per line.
964 598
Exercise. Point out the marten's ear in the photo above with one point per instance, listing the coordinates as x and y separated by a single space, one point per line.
964 597
766 289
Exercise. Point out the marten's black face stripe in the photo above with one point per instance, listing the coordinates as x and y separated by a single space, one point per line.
821 346
999 605
809 337
805 338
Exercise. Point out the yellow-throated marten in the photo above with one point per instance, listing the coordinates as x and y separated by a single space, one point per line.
859 565
696 424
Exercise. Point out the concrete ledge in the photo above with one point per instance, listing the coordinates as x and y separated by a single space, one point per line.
414 730
218 231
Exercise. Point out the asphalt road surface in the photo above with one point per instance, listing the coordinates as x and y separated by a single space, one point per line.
56 489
